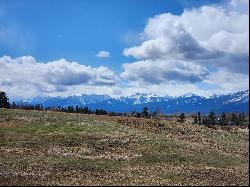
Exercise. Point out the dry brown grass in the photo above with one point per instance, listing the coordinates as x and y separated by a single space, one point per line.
52 148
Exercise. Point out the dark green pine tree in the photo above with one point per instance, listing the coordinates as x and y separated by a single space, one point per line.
70 109
86 110
234 119
77 109
145 112
14 105
205 121
199 118
4 100
223 119
233 116
195 119
182 117
242 118
211 118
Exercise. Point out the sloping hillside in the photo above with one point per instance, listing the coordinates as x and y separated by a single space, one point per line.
50 148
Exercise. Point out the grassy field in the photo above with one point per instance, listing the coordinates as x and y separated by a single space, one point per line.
51 148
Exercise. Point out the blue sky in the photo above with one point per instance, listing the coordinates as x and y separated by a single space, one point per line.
78 30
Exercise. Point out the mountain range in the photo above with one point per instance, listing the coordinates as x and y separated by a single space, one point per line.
188 103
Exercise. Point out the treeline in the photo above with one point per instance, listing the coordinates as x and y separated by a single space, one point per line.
68 109
71 109
79 109
209 120
223 119
4 103
25 106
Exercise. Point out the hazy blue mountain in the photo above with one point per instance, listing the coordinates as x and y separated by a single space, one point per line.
234 102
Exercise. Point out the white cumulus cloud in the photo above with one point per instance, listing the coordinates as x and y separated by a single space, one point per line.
160 71
26 76
182 47
103 54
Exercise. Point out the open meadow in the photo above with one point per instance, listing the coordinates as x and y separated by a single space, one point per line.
55 148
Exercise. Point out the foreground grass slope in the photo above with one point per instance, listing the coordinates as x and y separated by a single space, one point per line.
50 148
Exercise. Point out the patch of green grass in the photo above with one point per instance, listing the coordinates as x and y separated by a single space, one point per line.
151 159
84 164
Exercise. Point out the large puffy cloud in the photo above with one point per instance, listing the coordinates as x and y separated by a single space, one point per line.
163 71
215 37
25 76
62 72
206 29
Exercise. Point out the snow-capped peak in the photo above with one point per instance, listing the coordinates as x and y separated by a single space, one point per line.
187 103
189 94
